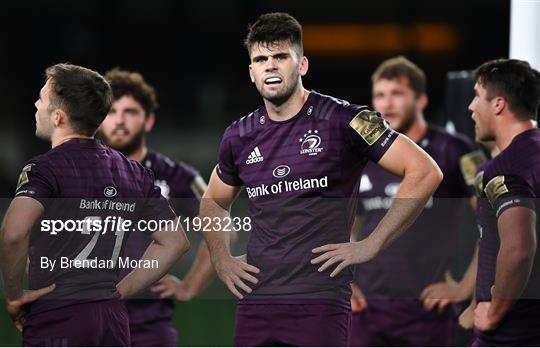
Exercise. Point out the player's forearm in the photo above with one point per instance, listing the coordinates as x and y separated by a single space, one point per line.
514 267
216 239
201 273
415 190
165 255
357 225
13 257
468 281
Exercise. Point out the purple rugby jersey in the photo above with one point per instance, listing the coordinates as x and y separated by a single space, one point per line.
424 252
78 179
300 176
511 179
175 181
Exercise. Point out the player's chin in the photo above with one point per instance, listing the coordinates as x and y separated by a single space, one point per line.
277 96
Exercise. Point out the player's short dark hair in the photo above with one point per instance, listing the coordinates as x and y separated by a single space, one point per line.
400 66
128 83
83 94
515 81
273 27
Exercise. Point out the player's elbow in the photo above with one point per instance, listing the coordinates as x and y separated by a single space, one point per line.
182 244
436 175
427 174
522 254
9 238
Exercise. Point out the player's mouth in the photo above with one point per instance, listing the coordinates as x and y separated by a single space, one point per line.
121 133
390 116
272 80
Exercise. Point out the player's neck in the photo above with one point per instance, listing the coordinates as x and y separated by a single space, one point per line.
418 129
288 109
139 154
509 131
59 140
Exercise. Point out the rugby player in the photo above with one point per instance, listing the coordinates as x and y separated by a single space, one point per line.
395 294
504 109
299 158
75 288
131 117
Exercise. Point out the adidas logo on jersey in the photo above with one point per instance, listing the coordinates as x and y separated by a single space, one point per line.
255 156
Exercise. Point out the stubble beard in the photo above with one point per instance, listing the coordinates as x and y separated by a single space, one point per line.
408 120
281 98
128 148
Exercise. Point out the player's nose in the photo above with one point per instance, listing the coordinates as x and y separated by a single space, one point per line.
119 118
271 64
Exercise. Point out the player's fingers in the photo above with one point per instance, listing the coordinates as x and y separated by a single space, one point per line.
248 277
168 293
323 257
230 285
441 305
356 305
328 263
363 303
429 304
158 288
339 268
35 294
324 248
238 282
448 277
250 268
18 326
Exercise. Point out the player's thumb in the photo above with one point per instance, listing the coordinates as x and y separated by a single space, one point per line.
448 277
34 295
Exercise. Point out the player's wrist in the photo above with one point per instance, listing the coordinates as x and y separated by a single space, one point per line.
497 310
374 244
188 289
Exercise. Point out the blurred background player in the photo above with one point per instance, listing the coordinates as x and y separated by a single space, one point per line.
299 157
504 109
131 117
75 181
395 295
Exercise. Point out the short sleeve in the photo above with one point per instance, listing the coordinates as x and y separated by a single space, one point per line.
227 169
185 190
156 206
369 134
469 163
35 181
507 191
467 166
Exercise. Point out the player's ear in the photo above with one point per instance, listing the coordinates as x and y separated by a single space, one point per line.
422 101
303 66
59 117
498 104
149 122
251 74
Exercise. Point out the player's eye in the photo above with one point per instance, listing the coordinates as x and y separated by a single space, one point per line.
260 59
